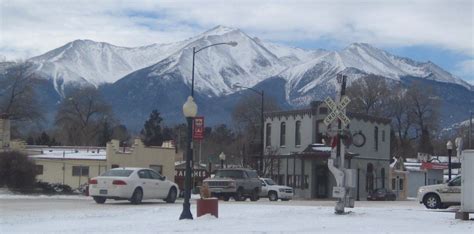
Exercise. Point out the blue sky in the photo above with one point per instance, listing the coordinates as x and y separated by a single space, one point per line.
435 30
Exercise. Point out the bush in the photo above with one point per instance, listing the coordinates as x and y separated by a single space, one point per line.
16 170
54 188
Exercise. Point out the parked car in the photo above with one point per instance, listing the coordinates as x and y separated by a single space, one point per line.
382 194
133 184
441 196
274 192
239 183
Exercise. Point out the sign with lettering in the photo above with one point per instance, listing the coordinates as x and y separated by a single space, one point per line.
198 128
337 111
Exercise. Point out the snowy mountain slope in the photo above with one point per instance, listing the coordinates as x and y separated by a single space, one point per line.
292 55
357 60
218 68
87 62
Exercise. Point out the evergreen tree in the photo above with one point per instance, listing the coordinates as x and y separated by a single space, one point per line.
167 134
43 139
152 132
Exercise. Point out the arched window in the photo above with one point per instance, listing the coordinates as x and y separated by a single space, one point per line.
382 174
298 133
282 133
268 139
376 138
369 178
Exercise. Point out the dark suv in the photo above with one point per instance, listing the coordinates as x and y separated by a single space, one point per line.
239 183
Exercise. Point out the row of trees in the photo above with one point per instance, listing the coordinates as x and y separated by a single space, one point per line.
414 112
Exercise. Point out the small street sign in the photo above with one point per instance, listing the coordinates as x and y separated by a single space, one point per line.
337 111
198 128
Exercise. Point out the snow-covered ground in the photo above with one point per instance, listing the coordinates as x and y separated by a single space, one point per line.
76 214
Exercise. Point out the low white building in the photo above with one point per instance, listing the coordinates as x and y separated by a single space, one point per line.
73 165
421 174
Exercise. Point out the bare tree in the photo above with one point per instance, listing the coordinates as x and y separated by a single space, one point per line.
402 121
247 119
17 95
424 106
80 115
270 162
369 95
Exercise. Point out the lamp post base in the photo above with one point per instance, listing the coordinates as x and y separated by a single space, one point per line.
186 214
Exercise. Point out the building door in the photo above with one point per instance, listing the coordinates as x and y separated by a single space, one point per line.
369 178
321 181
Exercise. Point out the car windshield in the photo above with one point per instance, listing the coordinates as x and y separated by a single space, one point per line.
456 181
270 182
228 174
118 173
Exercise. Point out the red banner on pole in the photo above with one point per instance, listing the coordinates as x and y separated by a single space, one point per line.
198 128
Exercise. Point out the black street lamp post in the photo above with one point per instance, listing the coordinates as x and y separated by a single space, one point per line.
449 147
262 123
222 158
190 111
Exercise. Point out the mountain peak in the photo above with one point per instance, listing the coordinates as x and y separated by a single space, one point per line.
220 30
361 45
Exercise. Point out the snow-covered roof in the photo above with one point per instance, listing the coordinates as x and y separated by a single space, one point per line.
413 166
82 153
321 147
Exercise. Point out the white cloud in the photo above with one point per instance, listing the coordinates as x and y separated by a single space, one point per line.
33 27
466 69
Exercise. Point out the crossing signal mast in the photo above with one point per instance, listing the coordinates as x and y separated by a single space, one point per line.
345 178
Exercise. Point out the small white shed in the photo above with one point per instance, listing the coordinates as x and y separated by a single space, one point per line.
467 185
467 182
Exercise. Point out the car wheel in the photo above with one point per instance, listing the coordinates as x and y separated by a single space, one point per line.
137 196
272 196
171 198
239 195
432 201
255 196
99 200
226 197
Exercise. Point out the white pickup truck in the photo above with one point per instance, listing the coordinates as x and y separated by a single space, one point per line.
274 192
441 196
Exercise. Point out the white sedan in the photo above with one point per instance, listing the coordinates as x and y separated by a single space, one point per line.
133 184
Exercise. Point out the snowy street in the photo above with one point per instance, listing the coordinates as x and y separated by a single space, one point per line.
81 214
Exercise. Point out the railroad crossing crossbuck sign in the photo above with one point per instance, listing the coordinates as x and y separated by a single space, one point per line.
337 111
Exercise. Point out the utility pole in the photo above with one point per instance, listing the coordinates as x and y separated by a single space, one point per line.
470 130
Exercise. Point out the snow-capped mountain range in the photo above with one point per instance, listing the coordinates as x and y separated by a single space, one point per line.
131 77
219 67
